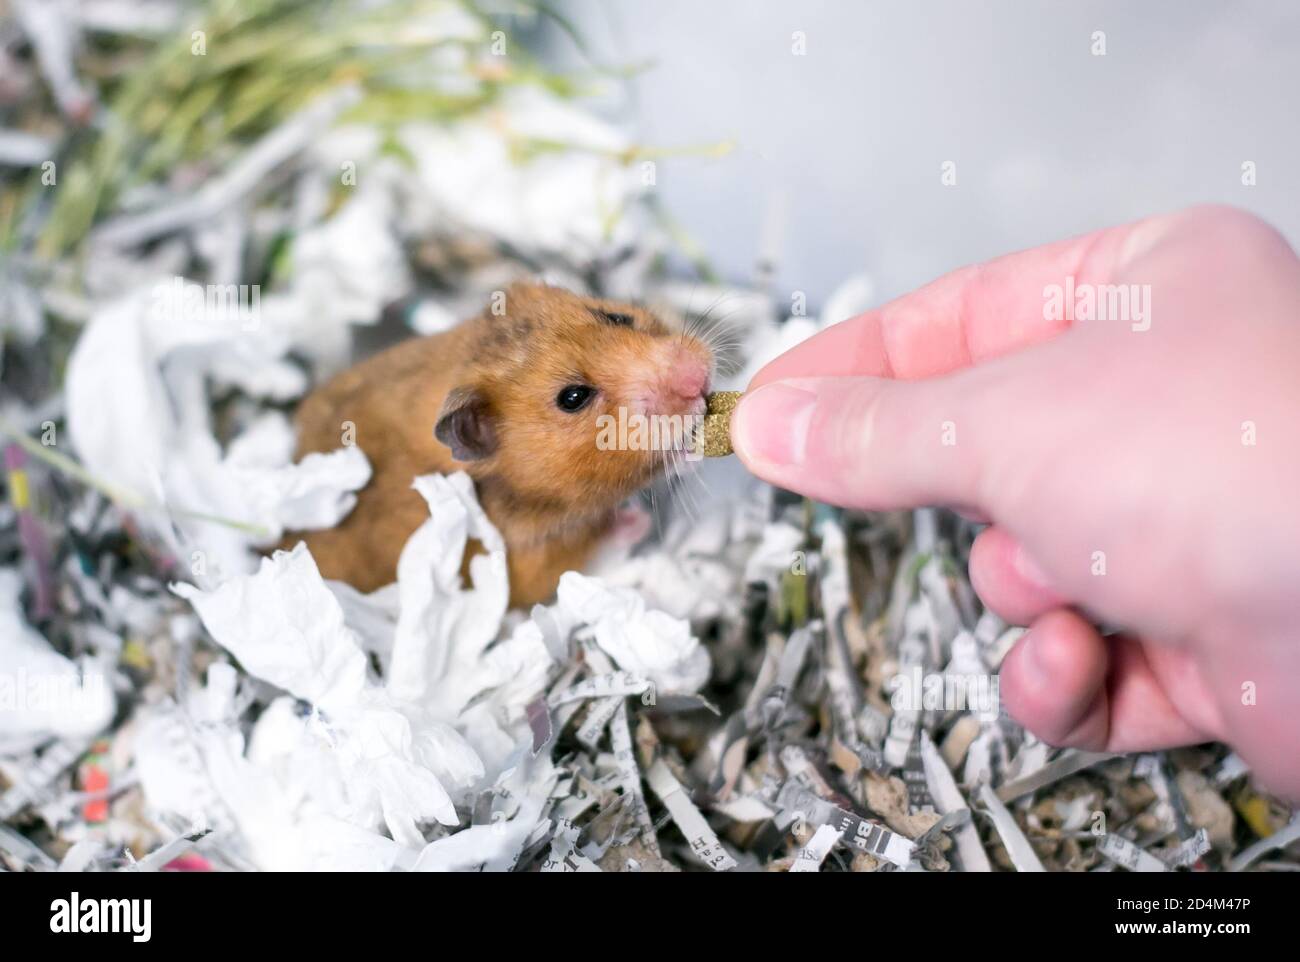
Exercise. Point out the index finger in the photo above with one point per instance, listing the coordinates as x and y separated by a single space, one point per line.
963 318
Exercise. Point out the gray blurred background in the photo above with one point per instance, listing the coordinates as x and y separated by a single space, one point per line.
843 146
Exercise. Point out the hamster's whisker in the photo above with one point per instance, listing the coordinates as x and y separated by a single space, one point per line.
688 315
726 351
652 491
698 477
691 508
723 345
670 475
719 327
718 334
714 324
724 339
694 318
706 315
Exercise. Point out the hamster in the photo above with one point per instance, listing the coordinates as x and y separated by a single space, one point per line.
513 397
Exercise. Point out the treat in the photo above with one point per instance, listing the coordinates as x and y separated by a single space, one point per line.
717 423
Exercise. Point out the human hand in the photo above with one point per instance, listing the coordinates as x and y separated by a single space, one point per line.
1139 471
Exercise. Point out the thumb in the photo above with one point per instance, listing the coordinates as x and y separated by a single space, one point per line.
872 443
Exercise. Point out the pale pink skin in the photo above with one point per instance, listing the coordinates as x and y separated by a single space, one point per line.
1075 438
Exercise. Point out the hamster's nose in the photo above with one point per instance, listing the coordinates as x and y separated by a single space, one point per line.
687 376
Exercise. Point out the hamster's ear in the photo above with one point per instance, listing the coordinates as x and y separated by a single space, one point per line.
466 425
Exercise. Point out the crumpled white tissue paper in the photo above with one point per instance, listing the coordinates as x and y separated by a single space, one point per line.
397 764
351 766
42 693
138 410
646 642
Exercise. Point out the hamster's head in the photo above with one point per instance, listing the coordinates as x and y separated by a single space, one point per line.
572 403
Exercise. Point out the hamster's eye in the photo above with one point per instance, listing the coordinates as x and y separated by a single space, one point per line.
574 398
618 320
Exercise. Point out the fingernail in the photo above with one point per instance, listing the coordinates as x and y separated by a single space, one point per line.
1028 569
1034 666
771 424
